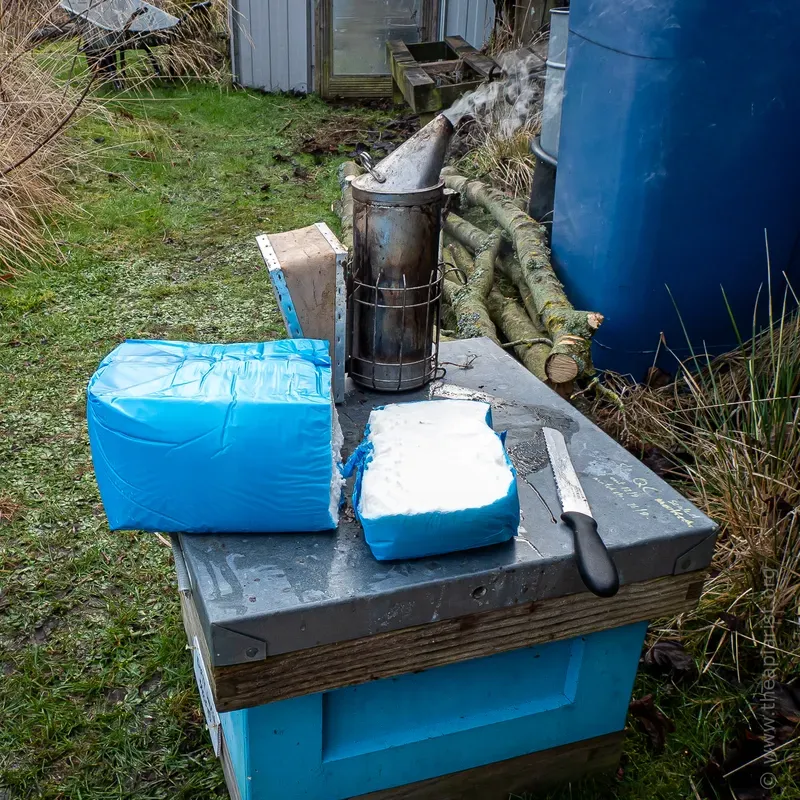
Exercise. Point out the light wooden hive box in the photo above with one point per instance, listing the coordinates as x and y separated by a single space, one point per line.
306 268
326 674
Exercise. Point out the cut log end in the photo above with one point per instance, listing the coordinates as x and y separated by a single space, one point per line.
561 368
594 320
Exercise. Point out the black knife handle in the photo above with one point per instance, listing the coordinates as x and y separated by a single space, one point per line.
595 564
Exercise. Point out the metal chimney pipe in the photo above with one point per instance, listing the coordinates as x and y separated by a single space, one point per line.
554 81
545 146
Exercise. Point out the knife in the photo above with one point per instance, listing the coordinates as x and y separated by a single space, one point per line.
595 565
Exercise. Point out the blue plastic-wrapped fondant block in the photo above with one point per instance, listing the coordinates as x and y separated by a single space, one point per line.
432 477
216 438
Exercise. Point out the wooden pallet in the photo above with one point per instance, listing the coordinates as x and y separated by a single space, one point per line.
419 72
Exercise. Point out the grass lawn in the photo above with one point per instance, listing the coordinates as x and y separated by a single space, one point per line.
96 688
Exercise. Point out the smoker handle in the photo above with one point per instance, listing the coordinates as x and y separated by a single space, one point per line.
369 165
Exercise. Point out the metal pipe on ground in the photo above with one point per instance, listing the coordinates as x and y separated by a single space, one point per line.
545 146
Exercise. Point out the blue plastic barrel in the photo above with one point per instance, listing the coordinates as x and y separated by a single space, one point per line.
680 145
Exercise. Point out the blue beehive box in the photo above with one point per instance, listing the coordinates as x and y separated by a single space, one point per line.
327 674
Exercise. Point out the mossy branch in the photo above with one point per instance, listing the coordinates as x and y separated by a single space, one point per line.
529 345
472 237
570 330
469 301
465 233
344 208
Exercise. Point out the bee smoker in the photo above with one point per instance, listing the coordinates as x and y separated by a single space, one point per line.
395 278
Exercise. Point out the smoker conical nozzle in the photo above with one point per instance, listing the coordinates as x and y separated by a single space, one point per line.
415 165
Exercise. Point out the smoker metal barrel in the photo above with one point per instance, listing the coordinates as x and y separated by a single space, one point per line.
396 286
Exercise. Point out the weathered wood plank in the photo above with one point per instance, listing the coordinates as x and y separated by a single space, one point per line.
531 17
413 65
451 92
515 776
416 86
435 67
416 77
398 51
309 267
482 64
193 627
430 20
435 644
396 70
459 45
397 95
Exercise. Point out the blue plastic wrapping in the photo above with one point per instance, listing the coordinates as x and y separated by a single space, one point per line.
216 438
418 535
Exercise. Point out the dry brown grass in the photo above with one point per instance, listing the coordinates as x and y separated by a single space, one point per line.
506 160
37 110
502 119
732 432
9 509
35 113
18 18
201 51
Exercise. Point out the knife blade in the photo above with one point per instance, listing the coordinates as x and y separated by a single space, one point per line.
595 565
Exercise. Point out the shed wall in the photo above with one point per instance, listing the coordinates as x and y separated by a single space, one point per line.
472 19
271 46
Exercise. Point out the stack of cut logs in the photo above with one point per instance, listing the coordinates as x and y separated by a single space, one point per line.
504 286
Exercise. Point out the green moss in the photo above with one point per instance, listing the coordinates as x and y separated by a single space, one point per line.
16 304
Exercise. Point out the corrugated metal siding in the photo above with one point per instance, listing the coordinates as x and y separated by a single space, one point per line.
472 19
272 44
